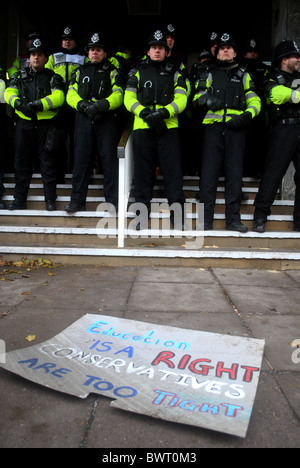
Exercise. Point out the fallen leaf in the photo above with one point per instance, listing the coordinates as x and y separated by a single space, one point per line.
30 337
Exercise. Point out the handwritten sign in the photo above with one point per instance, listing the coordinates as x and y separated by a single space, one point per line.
186 376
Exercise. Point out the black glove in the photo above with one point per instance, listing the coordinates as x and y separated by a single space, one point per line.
155 118
24 108
97 108
214 103
36 106
144 113
83 105
240 120
200 102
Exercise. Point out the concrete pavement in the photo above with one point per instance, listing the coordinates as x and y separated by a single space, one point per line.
248 303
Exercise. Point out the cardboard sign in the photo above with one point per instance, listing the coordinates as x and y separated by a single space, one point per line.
186 376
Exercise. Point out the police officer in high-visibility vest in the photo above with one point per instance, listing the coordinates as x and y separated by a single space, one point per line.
256 142
228 94
68 58
283 101
2 137
21 62
156 94
95 91
64 63
36 94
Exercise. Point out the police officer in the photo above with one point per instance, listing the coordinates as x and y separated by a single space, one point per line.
68 58
283 100
95 91
231 103
256 146
156 95
2 136
35 93
64 63
21 62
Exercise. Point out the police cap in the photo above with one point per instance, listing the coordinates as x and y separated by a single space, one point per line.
170 30
213 38
37 46
68 33
225 39
158 37
30 35
96 40
251 46
285 49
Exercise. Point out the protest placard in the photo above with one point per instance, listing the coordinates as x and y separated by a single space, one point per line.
186 376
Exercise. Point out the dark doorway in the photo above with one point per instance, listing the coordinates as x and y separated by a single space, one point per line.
130 21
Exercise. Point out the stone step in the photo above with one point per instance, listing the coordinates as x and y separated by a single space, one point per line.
77 238
90 219
88 236
152 255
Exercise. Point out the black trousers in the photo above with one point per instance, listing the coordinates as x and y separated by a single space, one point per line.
2 139
283 148
90 138
30 139
150 150
2 188
223 148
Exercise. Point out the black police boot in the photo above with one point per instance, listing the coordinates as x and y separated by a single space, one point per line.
50 205
208 226
2 205
236 226
75 206
259 225
181 225
17 205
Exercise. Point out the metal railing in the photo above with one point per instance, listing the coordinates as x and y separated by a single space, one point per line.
125 156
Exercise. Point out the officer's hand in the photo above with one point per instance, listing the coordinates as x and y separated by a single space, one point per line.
83 105
155 118
24 108
102 105
36 106
214 103
95 110
240 120
144 113
201 101
91 111
18 104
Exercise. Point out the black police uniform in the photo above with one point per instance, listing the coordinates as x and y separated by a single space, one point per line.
256 140
228 94
284 137
95 91
156 94
35 96
2 146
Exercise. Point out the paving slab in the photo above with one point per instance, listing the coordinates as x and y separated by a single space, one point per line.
177 297
175 275
263 278
228 324
33 416
265 300
278 332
